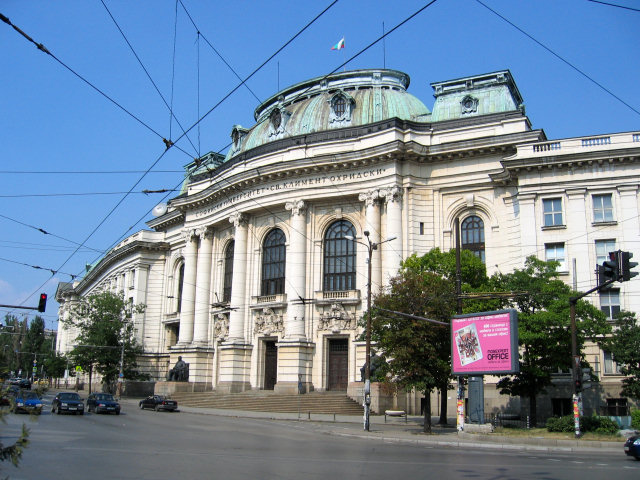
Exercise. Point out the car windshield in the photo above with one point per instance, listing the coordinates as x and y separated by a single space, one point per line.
105 397
30 395
69 396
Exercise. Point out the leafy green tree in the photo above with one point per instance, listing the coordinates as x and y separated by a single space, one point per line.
106 334
415 352
55 365
473 278
542 301
625 348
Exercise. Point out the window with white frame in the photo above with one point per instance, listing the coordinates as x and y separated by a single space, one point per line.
610 365
610 302
602 208
552 209
603 247
555 252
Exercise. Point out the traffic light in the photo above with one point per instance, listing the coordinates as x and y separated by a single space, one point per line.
611 268
625 266
578 385
42 304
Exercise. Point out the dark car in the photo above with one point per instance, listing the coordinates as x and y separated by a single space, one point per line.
632 447
21 382
159 402
102 403
27 401
69 402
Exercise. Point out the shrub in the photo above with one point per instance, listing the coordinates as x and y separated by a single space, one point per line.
595 424
635 419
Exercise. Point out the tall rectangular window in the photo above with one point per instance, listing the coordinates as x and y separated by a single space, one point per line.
603 247
555 252
552 208
602 208
610 302
610 365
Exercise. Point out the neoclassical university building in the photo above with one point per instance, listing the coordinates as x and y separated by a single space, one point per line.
256 274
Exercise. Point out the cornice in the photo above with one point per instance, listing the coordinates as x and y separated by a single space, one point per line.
117 255
570 161
175 217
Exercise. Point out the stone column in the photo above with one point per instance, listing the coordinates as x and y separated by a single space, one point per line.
188 287
297 284
528 228
239 282
576 245
392 250
203 287
372 225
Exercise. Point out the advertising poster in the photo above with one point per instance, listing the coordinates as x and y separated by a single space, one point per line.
485 343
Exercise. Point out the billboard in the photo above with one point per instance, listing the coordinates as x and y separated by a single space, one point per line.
485 343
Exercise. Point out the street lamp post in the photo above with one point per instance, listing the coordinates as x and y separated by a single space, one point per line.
371 246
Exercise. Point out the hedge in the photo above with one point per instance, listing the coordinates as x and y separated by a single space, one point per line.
587 424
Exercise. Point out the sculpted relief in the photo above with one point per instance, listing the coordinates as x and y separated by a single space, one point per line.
268 322
337 319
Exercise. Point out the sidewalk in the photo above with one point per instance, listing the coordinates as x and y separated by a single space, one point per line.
397 431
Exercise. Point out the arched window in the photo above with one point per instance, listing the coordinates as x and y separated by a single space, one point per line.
472 236
228 272
180 284
339 257
273 263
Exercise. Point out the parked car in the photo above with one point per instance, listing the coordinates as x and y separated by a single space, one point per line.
21 382
632 447
159 402
28 402
69 402
102 403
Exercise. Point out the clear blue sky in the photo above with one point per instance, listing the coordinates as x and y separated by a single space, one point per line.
59 136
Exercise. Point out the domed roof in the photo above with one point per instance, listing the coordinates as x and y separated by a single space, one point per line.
339 100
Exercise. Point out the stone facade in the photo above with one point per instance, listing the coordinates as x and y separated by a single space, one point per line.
247 274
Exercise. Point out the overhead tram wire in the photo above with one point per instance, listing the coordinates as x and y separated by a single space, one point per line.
43 231
82 194
302 93
44 49
218 53
559 57
614 5
149 76
37 267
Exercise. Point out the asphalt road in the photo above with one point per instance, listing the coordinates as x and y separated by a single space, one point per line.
162 445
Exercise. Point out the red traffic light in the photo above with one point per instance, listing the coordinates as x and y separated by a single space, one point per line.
42 304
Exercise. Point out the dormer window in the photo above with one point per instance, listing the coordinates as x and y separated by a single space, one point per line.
469 104
237 136
276 119
341 109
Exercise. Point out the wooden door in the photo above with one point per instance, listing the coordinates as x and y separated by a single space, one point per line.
338 364
270 365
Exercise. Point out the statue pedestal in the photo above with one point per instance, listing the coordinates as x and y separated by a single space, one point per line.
168 388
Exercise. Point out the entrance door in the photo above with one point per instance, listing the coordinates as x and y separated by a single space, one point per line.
338 364
270 365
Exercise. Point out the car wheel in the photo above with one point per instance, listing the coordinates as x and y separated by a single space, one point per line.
117 412
81 412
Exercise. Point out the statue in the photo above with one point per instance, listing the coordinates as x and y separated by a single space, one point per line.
375 363
179 372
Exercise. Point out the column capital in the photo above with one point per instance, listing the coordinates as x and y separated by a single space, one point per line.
297 207
204 232
188 233
238 219
369 198
392 194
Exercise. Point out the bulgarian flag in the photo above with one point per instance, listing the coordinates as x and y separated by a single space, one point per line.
339 45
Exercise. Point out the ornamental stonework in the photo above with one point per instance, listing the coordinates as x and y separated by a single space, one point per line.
268 322
221 326
337 319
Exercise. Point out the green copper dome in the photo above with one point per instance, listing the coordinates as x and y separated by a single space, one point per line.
346 99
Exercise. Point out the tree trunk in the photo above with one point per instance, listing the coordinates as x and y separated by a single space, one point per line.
532 410
427 412
443 405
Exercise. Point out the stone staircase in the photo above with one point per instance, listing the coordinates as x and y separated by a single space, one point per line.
265 401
